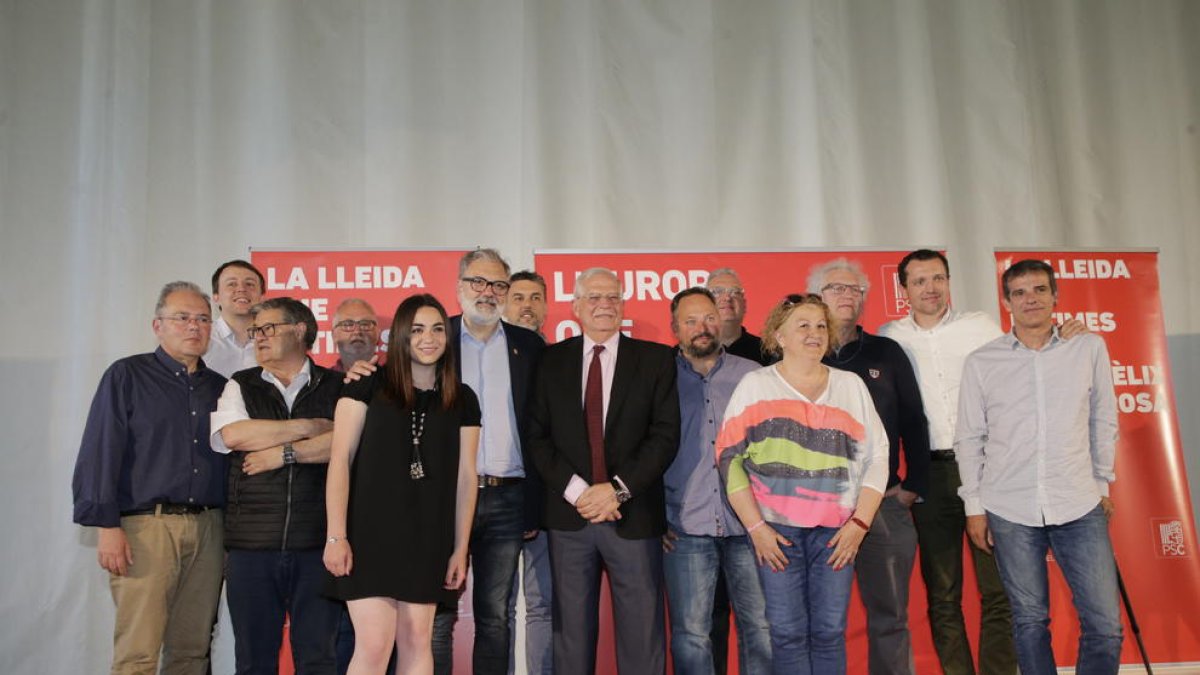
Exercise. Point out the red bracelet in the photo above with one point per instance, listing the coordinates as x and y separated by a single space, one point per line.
858 521
755 526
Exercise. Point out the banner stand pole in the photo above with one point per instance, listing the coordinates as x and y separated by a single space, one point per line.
1133 624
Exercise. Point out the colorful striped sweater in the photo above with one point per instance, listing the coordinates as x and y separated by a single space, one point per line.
805 461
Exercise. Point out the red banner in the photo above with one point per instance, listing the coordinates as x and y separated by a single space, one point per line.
323 279
1116 294
652 279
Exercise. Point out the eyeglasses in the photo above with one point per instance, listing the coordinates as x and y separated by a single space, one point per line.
479 285
594 299
349 325
736 293
843 289
267 329
202 320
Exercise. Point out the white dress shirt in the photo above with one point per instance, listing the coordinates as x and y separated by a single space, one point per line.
224 354
608 363
231 407
1037 429
937 356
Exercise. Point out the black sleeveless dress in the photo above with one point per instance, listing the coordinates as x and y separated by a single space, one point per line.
401 530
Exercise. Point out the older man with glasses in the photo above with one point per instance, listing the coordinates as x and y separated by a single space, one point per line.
355 333
146 480
277 419
885 561
726 287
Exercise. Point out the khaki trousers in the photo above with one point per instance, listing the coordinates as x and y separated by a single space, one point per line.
168 599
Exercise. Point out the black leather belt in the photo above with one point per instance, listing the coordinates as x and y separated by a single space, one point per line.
497 481
942 455
169 510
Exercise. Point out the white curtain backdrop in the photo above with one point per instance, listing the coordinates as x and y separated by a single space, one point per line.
144 141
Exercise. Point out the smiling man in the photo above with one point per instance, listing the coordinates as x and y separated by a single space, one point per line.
604 427
527 301
726 288
1035 446
237 286
146 480
937 339
497 360
885 561
277 418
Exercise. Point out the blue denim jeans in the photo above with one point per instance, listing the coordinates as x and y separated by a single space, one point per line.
807 604
261 586
691 575
496 538
1084 554
539 608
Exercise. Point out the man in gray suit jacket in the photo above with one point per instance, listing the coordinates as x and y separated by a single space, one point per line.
604 427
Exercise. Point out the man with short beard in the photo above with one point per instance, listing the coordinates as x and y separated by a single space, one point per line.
704 536
497 360
527 307
527 301
355 332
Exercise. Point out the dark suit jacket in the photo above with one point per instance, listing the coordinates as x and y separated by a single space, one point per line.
641 431
524 351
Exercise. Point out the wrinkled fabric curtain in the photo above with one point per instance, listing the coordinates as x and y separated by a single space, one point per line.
144 141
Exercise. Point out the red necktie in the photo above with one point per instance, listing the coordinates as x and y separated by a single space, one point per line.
593 410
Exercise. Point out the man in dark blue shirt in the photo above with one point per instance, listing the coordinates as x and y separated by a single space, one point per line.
148 481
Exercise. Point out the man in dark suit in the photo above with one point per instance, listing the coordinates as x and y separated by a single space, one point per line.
604 427
497 360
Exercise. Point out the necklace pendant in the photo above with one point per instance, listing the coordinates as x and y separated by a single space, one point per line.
416 470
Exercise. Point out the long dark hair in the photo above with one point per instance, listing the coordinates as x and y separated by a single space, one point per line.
398 381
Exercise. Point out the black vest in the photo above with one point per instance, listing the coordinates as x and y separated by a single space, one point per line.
282 509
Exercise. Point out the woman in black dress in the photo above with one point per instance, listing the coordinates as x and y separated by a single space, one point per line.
401 492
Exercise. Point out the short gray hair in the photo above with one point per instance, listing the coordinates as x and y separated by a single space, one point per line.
179 287
723 271
352 301
488 254
590 272
816 278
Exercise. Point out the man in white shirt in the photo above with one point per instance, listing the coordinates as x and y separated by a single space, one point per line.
937 339
1035 445
237 287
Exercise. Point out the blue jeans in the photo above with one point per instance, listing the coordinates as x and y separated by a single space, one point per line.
539 608
807 604
691 575
1084 554
496 538
261 586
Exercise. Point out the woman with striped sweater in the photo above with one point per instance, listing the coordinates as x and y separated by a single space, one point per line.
803 456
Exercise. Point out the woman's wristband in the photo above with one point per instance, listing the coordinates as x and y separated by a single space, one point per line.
334 540
858 521
755 526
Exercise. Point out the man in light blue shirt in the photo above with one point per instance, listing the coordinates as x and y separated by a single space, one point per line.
497 361
1035 446
704 535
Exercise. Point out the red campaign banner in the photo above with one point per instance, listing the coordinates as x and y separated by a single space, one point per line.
651 279
1116 294
323 279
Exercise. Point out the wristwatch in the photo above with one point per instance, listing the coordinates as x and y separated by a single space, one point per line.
621 493
289 454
